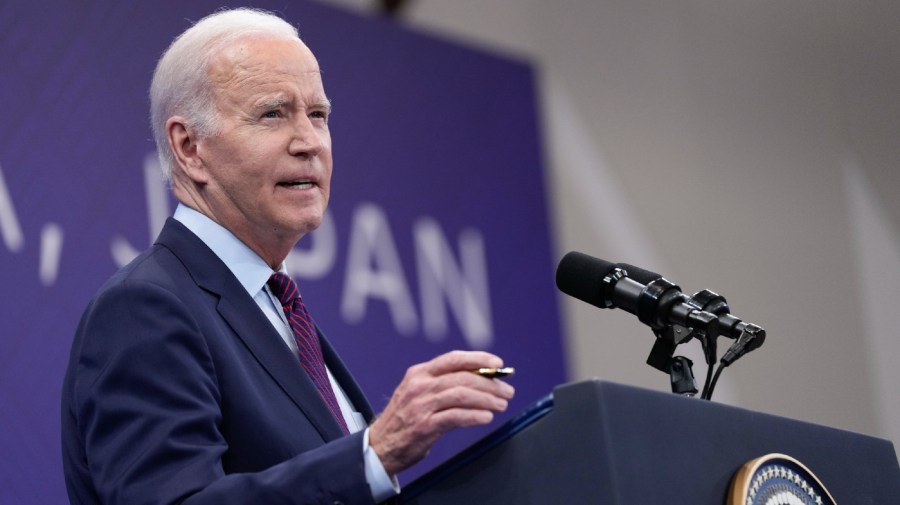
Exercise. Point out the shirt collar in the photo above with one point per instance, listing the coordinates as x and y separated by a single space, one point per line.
251 271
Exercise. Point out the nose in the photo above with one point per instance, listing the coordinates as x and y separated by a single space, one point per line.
307 140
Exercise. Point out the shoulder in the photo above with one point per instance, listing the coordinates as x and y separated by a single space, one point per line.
146 293
166 266
149 299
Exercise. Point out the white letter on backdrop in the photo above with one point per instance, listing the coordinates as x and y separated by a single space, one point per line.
371 244
464 285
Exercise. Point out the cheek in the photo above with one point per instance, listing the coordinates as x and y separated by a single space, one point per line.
326 187
226 161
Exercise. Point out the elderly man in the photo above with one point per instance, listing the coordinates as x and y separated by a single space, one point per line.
197 375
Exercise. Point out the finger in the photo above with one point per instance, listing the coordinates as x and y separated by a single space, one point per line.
454 361
421 387
451 419
467 398
468 379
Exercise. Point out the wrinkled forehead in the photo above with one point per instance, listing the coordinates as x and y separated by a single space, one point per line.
255 56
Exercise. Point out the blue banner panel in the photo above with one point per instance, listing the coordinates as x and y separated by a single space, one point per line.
436 239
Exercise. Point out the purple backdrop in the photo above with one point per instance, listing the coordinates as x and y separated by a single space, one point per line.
437 236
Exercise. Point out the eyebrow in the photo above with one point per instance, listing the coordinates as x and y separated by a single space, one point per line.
270 102
323 103
275 102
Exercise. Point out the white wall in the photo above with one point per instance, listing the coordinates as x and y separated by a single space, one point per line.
748 147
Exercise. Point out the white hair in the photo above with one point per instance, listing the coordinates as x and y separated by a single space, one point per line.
181 84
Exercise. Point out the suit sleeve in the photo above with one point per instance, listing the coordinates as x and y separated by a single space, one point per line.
146 400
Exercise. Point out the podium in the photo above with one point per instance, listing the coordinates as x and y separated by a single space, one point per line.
597 442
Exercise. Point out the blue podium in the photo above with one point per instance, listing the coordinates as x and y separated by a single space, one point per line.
596 442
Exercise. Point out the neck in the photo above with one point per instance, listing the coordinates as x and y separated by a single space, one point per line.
271 249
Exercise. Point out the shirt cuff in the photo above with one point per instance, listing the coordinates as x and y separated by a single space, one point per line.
382 485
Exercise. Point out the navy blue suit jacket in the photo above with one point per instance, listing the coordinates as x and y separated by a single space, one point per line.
180 391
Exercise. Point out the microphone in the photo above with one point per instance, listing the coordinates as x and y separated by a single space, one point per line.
658 303
747 336
707 341
729 325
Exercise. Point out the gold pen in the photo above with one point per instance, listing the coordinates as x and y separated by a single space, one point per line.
494 373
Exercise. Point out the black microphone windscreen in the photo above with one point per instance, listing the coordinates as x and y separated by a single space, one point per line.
638 274
581 276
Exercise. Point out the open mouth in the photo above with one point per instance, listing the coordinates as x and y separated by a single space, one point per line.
298 184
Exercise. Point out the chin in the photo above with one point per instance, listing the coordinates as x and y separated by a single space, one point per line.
307 224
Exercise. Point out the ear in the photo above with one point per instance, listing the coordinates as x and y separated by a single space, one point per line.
183 143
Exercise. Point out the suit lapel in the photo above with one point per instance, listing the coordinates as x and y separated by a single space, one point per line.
249 324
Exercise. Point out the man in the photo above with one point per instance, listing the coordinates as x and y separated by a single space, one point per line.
188 380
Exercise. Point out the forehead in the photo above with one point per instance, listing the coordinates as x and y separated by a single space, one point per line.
254 66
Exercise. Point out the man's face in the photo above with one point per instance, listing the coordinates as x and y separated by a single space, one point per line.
269 168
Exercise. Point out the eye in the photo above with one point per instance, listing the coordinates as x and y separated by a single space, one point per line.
272 114
318 114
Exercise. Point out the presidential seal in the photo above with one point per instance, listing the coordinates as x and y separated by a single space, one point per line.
777 479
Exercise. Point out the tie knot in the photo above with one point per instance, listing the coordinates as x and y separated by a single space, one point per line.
284 288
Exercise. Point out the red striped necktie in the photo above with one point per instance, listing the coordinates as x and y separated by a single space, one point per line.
308 347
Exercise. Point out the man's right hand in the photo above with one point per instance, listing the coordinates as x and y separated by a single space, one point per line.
434 398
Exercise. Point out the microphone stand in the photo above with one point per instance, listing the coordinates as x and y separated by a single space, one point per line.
711 309
656 304
662 357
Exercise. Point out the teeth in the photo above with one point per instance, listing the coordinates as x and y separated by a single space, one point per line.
298 184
